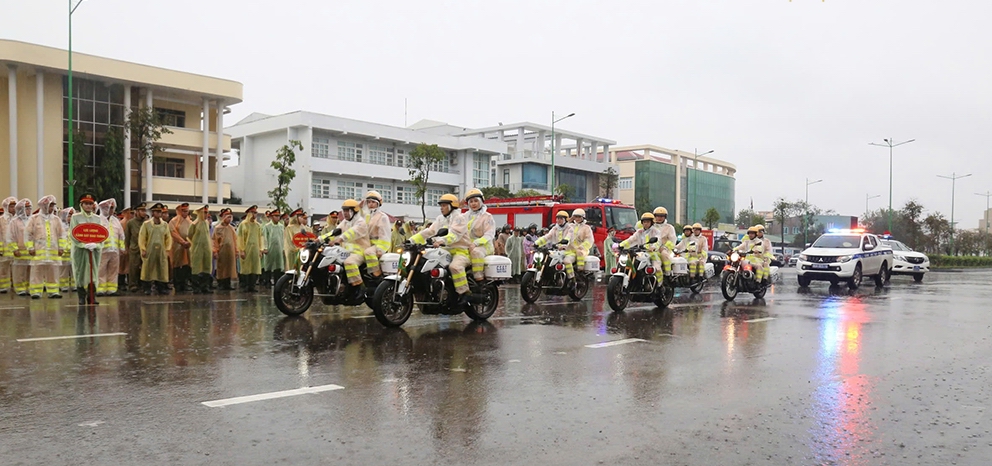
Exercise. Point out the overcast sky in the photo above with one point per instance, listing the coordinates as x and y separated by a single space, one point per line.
784 90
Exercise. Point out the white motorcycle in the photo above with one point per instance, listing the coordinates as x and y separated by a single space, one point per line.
548 273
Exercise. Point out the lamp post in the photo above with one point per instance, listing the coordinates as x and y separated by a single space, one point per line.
890 144
553 121
695 171
72 180
868 198
806 215
954 178
986 195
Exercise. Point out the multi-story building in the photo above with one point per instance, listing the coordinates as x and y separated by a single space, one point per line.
686 184
34 132
344 158
528 161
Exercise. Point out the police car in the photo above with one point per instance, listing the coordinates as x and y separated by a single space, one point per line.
846 256
907 261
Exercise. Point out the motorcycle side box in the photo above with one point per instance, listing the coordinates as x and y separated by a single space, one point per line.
680 266
592 264
498 267
390 263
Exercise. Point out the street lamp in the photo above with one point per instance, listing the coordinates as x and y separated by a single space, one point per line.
72 180
695 171
987 195
890 144
954 178
553 121
806 215
868 198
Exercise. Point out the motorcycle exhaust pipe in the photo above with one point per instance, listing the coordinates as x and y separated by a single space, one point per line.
476 299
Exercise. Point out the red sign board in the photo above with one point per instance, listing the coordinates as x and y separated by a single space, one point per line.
88 233
300 239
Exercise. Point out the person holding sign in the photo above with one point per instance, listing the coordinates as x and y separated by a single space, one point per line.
225 242
42 235
200 251
250 249
155 242
110 261
85 251
297 226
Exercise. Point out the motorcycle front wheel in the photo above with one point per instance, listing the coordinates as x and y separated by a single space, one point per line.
530 289
289 299
391 310
728 285
485 309
616 295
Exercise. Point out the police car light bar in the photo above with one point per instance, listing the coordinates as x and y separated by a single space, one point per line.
846 230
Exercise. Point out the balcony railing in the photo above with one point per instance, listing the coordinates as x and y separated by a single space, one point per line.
192 139
388 162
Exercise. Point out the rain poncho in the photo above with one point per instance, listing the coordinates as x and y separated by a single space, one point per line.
17 231
155 240
113 247
515 251
272 234
555 235
225 244
44 237
439 223
609 259
374 225
580 239
6 249
289 248
200 249
84 260
179 230
65 273
250 242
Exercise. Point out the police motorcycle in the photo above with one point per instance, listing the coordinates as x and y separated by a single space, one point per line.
634 280
738 275
548 274
680 271
419 276
321 274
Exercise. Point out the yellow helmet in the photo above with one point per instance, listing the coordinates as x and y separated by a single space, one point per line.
349 204
686 227
697 225
579 212
759 227
474 192
374 195
450 199
647 216
660 211
752 230
563 214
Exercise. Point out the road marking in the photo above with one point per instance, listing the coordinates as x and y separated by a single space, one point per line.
763 319
516 318
513 360
555 303
11 308
270 396
363 317
161 302
91 424
704 304
458 369
638 308
87 305
230 300
606 344
70 337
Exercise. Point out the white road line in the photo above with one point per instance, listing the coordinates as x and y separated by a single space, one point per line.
638 308
704 304
161 302
763 319
516 318
270 396
615 343
363 317
230 300
91 424
555 303
86 305
11 308
70 337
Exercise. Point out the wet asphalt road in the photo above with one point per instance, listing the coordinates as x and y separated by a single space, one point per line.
892 376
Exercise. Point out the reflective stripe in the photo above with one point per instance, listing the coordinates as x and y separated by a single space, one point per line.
418 239
383 245
458 252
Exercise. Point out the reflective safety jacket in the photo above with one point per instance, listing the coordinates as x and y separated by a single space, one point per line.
556 234
472 229
44 234
440 223
374 226
580 239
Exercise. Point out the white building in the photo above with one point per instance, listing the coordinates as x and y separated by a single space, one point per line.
344 158
526 164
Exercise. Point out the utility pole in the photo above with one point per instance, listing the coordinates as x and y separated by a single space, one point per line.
806 214
890 144
72 130
954 178
553 150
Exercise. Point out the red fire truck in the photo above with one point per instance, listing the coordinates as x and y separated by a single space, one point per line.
601 214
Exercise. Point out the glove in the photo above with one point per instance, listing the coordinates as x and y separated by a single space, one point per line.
615 247
438 241
90 246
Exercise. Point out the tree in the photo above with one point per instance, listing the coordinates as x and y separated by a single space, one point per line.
608 180
146 128
782 210
747 218
526 193
642 204
565 191
711 217
420 162
110 176
496 191
283 165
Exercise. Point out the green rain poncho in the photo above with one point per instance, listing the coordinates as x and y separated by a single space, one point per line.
82 272
273 235
156 241
609 260
250 243
200 250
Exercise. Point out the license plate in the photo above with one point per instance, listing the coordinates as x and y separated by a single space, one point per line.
819 266
916 268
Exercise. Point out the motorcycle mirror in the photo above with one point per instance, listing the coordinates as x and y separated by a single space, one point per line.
564 241
442 232
336 232
653 240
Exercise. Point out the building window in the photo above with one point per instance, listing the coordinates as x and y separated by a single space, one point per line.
626 182
443 166
385 190
534 176
401 159
321 147
480 170
506 178
406 195
433 195
170 117
320 188
350 190
169 168
380 155
349 151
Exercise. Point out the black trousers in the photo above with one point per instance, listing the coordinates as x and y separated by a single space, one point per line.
181 276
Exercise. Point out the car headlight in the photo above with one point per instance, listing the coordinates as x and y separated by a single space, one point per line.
622 260
843 259
900 257
406 257
803 257
304 256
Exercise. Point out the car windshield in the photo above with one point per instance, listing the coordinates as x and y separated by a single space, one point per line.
896 246
621 218
838 241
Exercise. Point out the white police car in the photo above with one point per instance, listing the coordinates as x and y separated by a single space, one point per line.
907 261
845 256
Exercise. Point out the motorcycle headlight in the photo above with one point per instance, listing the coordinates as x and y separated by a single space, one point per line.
803 257
538 257
622 260
304 256
843 259
406 257
735 257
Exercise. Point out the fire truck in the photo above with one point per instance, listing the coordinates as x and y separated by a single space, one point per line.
601 214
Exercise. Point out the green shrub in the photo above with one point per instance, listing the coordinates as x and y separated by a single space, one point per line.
960 261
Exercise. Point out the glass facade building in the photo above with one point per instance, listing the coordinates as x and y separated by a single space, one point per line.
655 185
710 190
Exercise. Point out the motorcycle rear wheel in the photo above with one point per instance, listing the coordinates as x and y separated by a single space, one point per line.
580 289
665 295
486 309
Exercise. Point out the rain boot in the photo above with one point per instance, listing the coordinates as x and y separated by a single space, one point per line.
251 279
148 288
81 294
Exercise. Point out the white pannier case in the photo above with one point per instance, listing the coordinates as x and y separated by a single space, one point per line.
680 266
497 267
390 263
592 264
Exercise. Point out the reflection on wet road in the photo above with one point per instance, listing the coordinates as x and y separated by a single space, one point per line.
818 376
